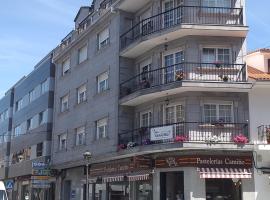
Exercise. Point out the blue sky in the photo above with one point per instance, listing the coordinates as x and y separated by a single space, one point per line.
30 29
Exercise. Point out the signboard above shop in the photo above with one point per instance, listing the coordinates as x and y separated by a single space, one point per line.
162 133
204 161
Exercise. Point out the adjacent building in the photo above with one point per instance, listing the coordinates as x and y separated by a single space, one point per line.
259 73
31 130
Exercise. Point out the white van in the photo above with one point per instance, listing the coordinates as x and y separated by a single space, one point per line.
3 193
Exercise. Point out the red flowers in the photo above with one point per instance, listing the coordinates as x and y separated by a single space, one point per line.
240 139
180 138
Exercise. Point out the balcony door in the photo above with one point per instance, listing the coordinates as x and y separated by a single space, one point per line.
147 23
172 12
173 66
145 119
175 114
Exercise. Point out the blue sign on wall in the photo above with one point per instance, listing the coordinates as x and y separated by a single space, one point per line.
9 184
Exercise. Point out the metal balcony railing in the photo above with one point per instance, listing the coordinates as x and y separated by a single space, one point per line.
198 132
183 15
206 72
264 134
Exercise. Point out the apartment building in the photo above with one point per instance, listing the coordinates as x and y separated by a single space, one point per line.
6 111
157 91
259 73
31 130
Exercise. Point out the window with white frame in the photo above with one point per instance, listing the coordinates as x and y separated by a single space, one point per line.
82 53
175 114
101 128
217 3
66 67
17 131
80 136
103 82
64 103
18 105
218 112
212 55
103 38
172 64
81 94
62 141
145 118
31 95
45 86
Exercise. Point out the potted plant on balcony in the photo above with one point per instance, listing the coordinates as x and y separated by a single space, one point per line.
240 139
131 145
224 78
218 64
213 139
267 134
179 76
180 138
122 147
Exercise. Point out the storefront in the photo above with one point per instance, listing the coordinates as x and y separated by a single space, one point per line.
122 180
203 177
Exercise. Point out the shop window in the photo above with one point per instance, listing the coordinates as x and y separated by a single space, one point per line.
223 189
100 191
171 185
119 190
144 190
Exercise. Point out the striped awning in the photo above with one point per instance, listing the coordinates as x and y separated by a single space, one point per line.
225 173
112 179
139 177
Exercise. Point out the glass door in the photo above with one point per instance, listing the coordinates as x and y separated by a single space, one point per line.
173 66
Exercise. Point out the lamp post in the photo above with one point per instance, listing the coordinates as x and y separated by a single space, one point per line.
87 157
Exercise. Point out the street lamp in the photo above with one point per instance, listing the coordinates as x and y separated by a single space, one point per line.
87 157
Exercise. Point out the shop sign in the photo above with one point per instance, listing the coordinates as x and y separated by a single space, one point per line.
9 184
121 166
162 133
41 172
39 165
204 161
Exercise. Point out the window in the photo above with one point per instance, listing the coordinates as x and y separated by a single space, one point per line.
62 142
18 105
82 54
145 119
44 86
103 82
31 96
5 137
214 113
81 94
211 55
39 150
102 128
103 38
17 131
4 115
30 124
65 67
223 189
64 103
172 64
217 3
80 136
175 114
41 118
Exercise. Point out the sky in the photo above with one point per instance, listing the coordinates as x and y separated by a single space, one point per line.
30 29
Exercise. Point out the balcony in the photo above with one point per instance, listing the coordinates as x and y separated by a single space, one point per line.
177 78
187 132
182 21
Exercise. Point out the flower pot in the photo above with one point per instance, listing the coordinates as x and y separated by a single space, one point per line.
225 78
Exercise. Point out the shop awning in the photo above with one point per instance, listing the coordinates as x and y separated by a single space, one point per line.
225 173
139 177
112 179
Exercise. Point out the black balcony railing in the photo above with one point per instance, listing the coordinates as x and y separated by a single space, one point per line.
183 15
264 134
207 72
190 132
